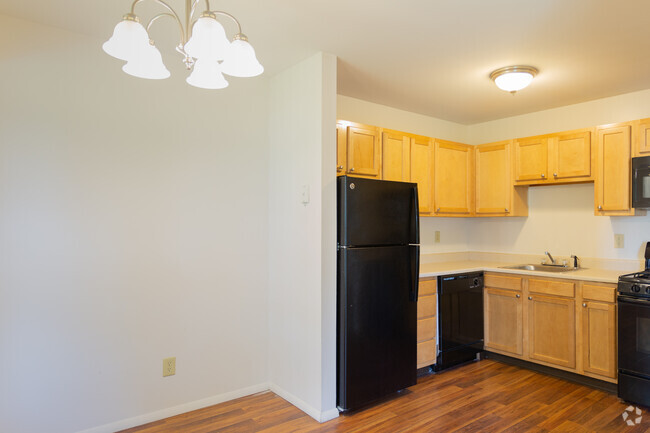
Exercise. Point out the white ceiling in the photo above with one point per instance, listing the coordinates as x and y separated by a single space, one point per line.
427 56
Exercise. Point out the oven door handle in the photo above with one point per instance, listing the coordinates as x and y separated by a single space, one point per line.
629 300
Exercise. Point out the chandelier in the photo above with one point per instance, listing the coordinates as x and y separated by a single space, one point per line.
205 48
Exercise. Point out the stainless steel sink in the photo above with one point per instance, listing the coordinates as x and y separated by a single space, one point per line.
544 268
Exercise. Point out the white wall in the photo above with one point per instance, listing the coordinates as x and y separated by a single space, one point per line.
302 245
560 217
133 227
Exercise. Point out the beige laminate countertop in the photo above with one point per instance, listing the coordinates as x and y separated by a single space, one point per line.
457 267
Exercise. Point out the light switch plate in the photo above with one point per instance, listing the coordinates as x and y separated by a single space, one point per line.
437 236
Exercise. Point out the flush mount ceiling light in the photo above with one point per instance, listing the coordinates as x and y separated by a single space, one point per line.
205 48
513 78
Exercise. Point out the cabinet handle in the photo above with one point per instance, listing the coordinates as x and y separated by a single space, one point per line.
584 304
543 176
438 210
339 168
554 174
518 296
352 169
506 209
530 298
600 208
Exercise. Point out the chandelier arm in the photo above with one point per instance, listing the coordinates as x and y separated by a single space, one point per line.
172 13
226 14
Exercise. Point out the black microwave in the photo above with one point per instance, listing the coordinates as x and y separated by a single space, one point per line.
641 182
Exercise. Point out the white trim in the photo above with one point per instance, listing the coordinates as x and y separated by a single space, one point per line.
177 410
300 404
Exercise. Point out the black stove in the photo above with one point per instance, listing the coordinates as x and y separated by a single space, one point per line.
636 285
634 335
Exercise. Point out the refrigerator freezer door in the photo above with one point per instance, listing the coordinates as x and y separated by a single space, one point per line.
377 323
377 212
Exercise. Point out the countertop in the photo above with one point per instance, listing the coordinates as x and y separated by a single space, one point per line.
457 267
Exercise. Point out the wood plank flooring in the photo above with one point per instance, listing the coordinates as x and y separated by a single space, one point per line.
485 396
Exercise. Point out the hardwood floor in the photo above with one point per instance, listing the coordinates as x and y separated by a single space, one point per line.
482 396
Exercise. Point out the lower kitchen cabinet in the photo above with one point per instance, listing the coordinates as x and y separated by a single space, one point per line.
552 330
598 311
427 323
570 325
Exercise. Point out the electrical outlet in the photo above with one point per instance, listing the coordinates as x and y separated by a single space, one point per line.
437 236
169 366
619 241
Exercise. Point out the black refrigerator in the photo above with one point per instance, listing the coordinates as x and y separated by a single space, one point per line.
377 289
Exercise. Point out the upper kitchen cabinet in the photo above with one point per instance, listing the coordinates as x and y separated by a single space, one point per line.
643 138
362 148
341 149
571 157
396 156
453 185
565 157
422 171
531 160
613 181
495 193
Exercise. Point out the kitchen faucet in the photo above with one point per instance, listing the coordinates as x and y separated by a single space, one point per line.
550 257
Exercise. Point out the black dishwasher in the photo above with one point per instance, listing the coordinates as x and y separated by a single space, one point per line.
460 314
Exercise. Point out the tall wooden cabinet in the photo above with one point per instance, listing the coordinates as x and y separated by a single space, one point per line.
396 156
495 194
643 140
503 314
453 173
598 311
422 171
613 194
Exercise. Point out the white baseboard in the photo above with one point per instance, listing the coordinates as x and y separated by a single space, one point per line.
300 404
177 410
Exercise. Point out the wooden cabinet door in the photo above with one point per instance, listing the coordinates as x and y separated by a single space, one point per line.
363 152
341 149
531 159
395 161
570 156
599 338
493 181
422 171
453 185
552 330
643 147
613 180
504 321
426 324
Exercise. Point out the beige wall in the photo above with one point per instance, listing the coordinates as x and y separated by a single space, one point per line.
133 227
560 217
302 247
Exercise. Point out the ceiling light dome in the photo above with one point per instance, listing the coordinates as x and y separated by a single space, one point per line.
513 78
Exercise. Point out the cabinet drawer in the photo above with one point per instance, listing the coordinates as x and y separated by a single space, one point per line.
426 353
426 329
593 292
427 287
502 282
426 306
549 287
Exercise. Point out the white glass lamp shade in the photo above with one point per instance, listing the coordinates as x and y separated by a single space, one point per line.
207 75
241 60
208 40
513 78
147 63
513 81
128 37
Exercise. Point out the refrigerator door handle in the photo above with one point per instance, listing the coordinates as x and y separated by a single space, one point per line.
415 216
415 273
